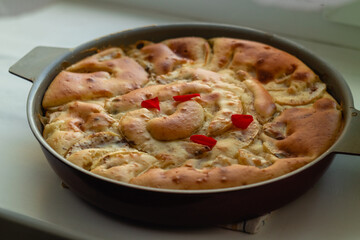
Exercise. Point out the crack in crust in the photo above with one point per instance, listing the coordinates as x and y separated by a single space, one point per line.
95 120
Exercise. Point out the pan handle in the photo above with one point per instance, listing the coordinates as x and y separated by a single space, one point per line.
349 143
32 64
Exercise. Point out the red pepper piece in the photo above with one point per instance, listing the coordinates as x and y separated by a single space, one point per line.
204 140
184 98
151 103
241 121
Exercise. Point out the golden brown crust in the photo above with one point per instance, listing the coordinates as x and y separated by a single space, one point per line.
220 177
263 102
133 99
161 57
96 120
123 166
265 62
106 74
288 80
193 48
188 117
307 127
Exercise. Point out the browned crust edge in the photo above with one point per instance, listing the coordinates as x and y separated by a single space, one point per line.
220 177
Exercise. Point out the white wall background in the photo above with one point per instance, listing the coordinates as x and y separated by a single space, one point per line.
334 22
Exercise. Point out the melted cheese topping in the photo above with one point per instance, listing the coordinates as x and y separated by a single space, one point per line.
94 116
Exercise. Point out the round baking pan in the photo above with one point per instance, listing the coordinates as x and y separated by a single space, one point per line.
184 207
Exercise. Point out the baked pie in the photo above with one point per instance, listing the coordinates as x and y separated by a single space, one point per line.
190 113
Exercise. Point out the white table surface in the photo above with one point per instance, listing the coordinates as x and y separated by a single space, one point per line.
28 186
